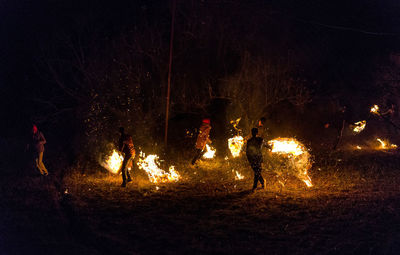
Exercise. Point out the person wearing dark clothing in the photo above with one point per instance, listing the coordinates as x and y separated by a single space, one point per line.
36 145
254 156
202 139
126 147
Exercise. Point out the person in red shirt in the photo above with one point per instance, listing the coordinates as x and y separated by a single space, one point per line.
202 139
36 145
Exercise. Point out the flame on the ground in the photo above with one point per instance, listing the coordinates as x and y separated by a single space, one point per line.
210 152
358 147
293 158
386 145
288 146
238 176
359 126
151 165
375 109
113 162
235 145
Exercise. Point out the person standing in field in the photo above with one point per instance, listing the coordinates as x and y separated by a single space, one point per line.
254 156
126 147
202 139
36 145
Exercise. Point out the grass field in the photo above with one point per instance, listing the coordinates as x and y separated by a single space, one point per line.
353 208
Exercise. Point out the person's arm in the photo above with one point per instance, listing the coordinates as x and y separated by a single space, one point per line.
42 140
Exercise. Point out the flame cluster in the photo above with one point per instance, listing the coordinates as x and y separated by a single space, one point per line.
386 145
210 152
375 109
151 165
235 145
293 158
113 162
359 126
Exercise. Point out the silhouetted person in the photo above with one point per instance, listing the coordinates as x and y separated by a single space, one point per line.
254 155
262 129
36 145
202 139
126 147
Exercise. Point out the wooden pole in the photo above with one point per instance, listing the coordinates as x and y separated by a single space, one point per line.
169 72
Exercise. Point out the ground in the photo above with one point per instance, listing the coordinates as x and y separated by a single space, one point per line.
353 208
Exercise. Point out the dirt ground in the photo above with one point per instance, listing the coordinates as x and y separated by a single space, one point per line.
353 208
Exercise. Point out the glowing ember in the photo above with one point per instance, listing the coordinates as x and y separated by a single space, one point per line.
375 109
210 152
359 126
151 165
291 158
358 147
238 176
113 163
288 146
385 145
235 145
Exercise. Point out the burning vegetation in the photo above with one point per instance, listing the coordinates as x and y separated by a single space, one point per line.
290 158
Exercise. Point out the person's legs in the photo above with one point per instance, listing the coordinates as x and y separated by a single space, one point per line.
41 165
199 154
129 163
38 165
124 170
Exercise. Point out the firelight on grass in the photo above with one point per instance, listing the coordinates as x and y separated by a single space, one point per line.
151 165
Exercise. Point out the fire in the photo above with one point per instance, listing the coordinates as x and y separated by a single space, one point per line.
210 152
114 162
385 145
358 147
359 126
238 176
292 158
375 109
235 145
151 165
288 146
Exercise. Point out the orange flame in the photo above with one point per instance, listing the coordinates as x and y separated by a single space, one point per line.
359 126
298 157
114 162
235 145
151 165
375 109
210 152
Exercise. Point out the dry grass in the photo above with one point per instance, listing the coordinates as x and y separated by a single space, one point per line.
351 209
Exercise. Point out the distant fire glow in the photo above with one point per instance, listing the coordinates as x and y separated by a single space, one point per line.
235 145
385 145
291 158
210 152
359 126
113 162
375 109
151 165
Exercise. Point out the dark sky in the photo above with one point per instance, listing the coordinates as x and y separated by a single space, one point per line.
346 35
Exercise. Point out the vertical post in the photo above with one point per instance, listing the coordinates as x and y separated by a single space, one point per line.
169 72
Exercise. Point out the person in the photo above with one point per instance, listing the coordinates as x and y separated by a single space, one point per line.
36 145
262 130
126 147
254 156
202 139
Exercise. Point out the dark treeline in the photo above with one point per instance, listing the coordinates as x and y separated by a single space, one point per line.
81 69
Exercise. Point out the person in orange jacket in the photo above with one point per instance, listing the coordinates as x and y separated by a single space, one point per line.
126 147
202 139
